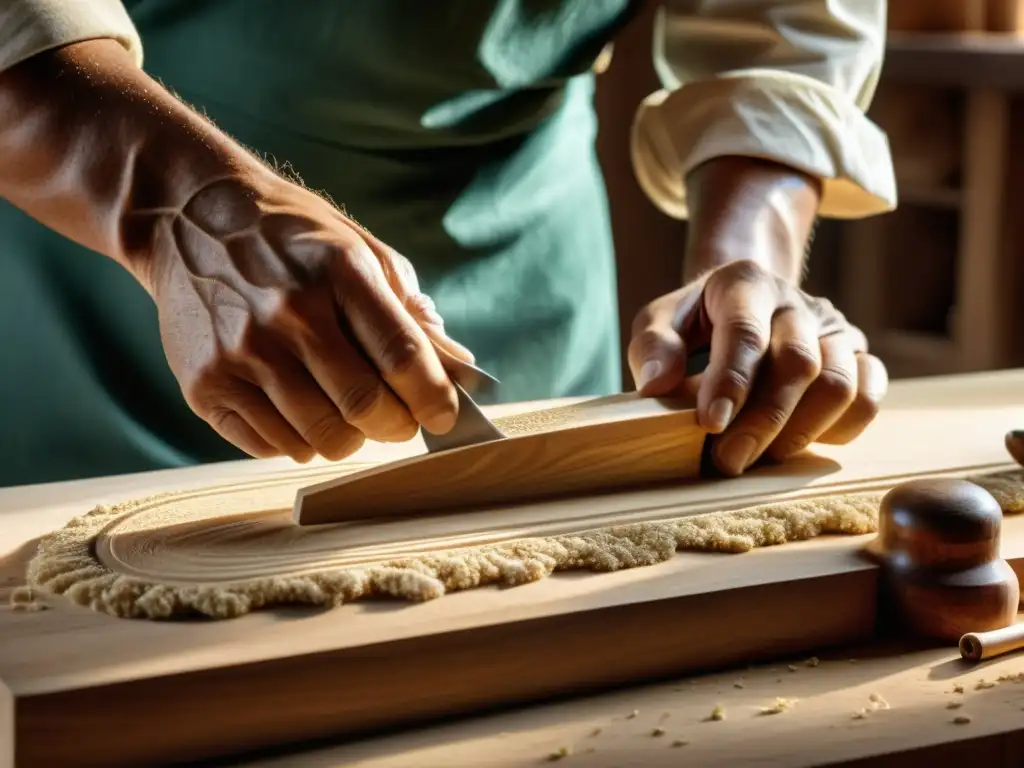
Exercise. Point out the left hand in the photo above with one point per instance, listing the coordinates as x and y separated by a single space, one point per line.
786 369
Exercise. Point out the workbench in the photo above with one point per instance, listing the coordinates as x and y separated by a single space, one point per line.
876 704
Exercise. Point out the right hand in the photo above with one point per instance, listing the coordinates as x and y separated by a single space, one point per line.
291 329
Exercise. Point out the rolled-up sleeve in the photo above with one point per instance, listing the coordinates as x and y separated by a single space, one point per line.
28 27
784 80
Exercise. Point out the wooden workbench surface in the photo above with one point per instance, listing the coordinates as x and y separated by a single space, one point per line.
36 660
880 705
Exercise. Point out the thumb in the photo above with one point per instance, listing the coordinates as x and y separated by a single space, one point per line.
656 353
405 283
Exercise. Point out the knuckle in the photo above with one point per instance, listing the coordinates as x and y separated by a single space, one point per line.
864 408
400 351
735 380
360 399
748 334
837 385
744 270
321 431
773 416
220 417
646 341
799 360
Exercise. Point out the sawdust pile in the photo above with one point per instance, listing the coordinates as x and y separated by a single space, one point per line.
66 563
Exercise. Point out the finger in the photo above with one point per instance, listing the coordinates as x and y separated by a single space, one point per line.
300 400
236 430
656 352
252 405
740 313
791 365
402 277
826 399
872 385
352 384
395 343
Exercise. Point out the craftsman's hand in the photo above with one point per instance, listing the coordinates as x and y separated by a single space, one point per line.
293 330
786 369
290 329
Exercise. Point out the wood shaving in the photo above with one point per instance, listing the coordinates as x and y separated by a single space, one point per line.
813 661
737 685
954 705
680 743
559 754
781 705
983 684
962 719
958 688
26 600
860 714
1017 677
658 732
66 563
878 701
718 713
632 715
792 667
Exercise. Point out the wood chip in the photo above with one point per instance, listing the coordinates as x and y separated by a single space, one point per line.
983 684
860 714
632 715
680 743
954 705
1014 678
658 732
792 667
878 701
595 732
781 705
813 661
962 719
718 713
958 688
560 753
737 685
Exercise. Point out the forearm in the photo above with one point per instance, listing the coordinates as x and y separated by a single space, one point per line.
746 208
93 148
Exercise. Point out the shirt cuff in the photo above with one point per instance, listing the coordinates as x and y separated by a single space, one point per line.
788 118
28 27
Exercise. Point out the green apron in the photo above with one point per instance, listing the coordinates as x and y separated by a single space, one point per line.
460 132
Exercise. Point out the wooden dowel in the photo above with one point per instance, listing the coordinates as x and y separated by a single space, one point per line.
978 646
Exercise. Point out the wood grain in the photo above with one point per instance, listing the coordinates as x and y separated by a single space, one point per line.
599 444
186 690
879 705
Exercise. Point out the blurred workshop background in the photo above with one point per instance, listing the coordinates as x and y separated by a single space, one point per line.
933 284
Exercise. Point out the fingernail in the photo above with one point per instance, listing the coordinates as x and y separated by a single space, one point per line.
735 452
720 414
648 373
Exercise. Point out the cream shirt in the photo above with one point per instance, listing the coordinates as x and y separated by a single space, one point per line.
785 80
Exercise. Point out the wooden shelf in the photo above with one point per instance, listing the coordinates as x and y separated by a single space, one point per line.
966 60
